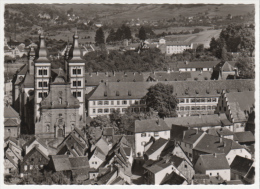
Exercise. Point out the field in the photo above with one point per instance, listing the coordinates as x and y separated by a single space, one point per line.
201 38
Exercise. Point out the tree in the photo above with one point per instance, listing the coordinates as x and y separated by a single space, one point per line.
246 67
99 38
100 121
142 34
111 36
128 34
160 98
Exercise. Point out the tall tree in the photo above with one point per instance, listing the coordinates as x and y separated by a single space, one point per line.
128 34
111 36
161 99
99 38
142 34
246 67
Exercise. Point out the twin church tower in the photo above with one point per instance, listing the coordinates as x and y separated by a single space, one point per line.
51 102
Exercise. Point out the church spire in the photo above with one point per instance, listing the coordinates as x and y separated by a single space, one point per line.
42 48
75 50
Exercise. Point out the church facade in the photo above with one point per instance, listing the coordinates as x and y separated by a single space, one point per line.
51 102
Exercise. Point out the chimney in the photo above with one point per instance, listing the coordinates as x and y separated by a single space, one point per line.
215 155
97 73
184 133
220 139
224 144
158 122
106 73
169 70
134 73
114 73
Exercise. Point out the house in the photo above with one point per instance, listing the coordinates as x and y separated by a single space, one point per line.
74 144
33 161
155 171
14 152
186 66
186 138
213 165
240 168
237 106
200 122
154 151
222 132
225 70
40 143
177 47
245 138
11 122
74 168
97 157
10 165
210 144
174 179
195 97
143 130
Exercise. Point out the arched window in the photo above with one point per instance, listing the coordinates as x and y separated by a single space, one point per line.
48 128
60 100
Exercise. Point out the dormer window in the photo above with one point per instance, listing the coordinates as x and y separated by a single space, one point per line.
105 93
117 93
129 93
60 100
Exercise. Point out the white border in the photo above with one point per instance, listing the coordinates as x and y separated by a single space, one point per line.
256 2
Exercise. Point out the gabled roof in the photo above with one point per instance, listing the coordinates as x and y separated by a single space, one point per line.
173 179
241 165
99 153
206 88
240 103
102 145
29 81
199 121
33 151
148 125
156 166
156 145
9 112
79 162
11 122
61 162
11 160
106 177
213 144
190 136
246 136
214 161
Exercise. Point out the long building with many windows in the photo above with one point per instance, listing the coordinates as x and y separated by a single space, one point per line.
194 97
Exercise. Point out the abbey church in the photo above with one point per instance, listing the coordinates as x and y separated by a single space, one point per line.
51 102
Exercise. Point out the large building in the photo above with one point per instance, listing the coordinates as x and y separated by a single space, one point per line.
195 97
51 102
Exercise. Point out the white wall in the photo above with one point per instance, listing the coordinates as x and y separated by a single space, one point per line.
240 152
224 173
93 160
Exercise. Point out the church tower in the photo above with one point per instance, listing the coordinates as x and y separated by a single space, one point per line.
42 75
76 75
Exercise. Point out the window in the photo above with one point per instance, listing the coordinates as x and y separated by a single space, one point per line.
40 84
143 143
181 100
214 100
225 108
79 83
124 102
210 174
202 100
185 166
100 103
193 100
9 130
40 94
177 108
193 107
74 83
100 110
95 162
79 94
47 128
198 100
214 107
106 110
44 72
112 102
40 72
94 111
187 108
118 102
156 134
136 102
106 102
112 110
94 102
142 102
74 94
143 135
209 107
123 109
203 107
187 100
198 107
182 108
79 71
209 100
74 71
